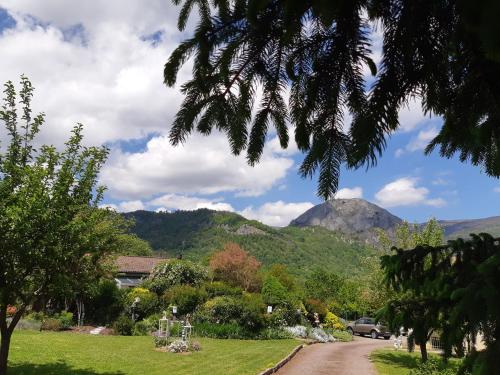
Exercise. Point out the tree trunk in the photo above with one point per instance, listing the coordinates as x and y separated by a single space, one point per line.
6 334
4 352
423 350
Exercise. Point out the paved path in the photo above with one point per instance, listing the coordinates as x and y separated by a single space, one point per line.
350 358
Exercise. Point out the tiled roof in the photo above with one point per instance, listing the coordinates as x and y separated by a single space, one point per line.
130 264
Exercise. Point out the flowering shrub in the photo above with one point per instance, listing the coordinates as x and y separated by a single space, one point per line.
11 310
320 335
176 272
195 346
317 334
333 321
298 331
178 346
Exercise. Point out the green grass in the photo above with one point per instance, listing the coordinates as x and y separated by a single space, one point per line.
69 353
391 362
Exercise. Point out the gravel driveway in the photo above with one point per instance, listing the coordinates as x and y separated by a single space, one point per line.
351 358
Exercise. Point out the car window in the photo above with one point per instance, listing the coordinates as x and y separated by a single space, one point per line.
369 321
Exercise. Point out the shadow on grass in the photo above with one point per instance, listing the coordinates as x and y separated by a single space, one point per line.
58 368
399 359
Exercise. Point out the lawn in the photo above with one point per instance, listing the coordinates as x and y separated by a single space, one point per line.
49 353
391 362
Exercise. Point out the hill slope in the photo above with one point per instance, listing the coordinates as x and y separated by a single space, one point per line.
462 228
197 234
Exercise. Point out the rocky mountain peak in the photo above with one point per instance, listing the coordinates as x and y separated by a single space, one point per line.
356 217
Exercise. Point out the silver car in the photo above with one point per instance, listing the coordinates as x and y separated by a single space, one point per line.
367 326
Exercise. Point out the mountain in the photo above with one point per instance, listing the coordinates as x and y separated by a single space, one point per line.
356 218
462 228
359 218
197 234
334 235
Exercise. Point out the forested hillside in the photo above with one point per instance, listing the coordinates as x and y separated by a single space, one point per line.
197 234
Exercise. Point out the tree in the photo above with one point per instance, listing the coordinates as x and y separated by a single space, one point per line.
460 283
403 307
442 52
49 220
234 265
130 244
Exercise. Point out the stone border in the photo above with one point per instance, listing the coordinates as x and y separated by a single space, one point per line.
284 361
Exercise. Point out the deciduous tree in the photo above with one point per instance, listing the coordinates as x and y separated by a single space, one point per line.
236 266
49 221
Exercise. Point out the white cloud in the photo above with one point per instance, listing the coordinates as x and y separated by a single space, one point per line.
203 165
497 189
440 181
405 192
422 139
348 193
112 82
179 202
110 79
125 206
411 116
419 142
277 213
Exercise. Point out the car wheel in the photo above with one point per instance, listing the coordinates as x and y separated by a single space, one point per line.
387 337
350 331
374 334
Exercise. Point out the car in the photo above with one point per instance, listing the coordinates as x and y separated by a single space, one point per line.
368 326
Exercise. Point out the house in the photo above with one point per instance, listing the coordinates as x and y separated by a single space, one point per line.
132 270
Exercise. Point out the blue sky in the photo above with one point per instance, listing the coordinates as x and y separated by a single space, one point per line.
100 63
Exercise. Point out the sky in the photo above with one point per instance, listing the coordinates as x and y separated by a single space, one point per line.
100 63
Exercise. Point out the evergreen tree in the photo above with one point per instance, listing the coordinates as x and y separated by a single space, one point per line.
458 287
318 52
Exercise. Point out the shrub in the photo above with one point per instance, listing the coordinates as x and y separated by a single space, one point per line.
147 305
185 297
178 346
273 292
106 304
219 288
320 335
194 346
333 321
51 324
301 332
141 329
124 326
57 322
273 334
314 306
159 342
433 366
176 272
151 322
65 318
221 331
